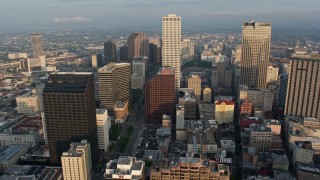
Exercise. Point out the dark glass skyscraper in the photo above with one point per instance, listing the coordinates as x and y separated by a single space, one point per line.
70 113
110 52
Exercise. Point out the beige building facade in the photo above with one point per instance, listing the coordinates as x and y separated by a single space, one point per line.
76 163
171 44
256 37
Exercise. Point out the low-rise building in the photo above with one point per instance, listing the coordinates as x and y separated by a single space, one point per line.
279 159
188 100
302 152
207 95
246 107
28 103
224 110
32 172
190 168
260 137
228 145
26 132
307 171
125 167
206 111
201 142
9 156
121 111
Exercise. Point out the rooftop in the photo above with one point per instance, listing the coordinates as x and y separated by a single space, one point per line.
154 155
110 67
186 94
306 56
7 153
259 128
308 168
166 70
76 149
201 137
101 111
304 144
67 82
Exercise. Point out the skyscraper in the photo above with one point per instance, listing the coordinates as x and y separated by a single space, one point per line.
194 82
171 44
160 95
36 45
76 162
114 84
153 53
110 52
256 37
138 45
124 53
303 90
96 61
70 113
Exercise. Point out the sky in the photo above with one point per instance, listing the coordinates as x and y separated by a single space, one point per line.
91 14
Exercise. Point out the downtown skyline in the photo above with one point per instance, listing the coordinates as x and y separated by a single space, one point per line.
217 14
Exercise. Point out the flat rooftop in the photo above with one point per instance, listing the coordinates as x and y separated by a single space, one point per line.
110 67
306 56
7 153
101 111
65 82
257 128
201 138
154 155
76 149
186 94
166 70
304 144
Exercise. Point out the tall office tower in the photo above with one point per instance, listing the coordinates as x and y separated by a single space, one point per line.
304 86
114 84
171 44
256 37
194 82
283 90
138 45
124 53
76 162
153 53
187 49
221 75
70 112
160 95
103 125
110 52
159 55
37 50
96 61
139 67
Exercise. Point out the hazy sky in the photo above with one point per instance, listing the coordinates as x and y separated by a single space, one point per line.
47 14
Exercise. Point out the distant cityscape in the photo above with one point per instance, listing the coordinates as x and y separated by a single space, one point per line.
160 103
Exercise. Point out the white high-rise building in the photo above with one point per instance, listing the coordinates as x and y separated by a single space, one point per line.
171 44
76 162
103 126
